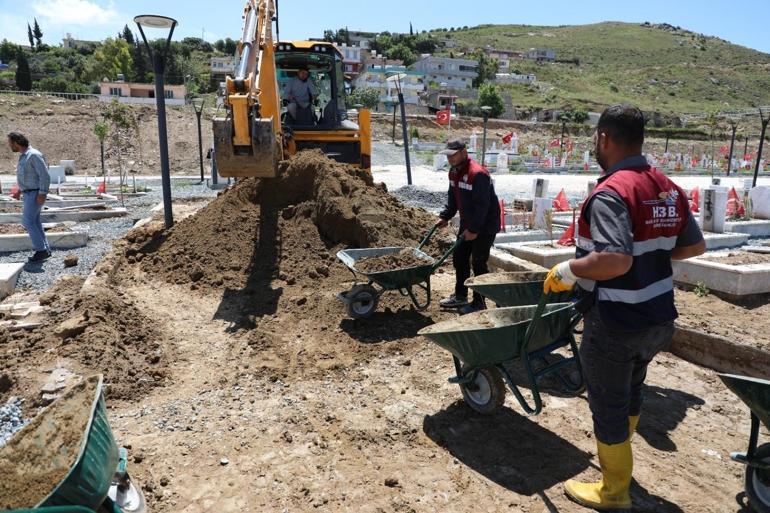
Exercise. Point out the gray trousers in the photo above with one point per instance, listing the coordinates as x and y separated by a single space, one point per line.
615 367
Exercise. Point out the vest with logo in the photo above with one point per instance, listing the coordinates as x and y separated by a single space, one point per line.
658 209
461 182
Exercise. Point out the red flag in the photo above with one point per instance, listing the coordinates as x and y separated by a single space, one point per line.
748 156
734 205
568 239
443 117
555 143
102 188
507 137
14 190
561 203
695 200
724 150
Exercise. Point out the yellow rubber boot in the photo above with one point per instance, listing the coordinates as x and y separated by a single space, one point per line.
611 492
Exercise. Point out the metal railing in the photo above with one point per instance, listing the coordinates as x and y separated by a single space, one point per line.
66 96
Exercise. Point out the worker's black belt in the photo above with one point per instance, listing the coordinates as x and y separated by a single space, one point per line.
30 190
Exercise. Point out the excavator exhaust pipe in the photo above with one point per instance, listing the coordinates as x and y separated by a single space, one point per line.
260 160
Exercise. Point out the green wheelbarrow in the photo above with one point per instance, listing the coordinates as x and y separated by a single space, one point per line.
484 343
756 394
98 480
362 299
514 288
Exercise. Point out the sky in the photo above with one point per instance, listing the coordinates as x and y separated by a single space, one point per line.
742 22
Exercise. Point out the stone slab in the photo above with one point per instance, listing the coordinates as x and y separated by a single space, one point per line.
63 216
724 240
55 203
527 236
503 261
754 228
544 257
734 280
9 275
59 240
719 353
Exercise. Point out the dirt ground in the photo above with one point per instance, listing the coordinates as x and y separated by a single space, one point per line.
741 258
239 383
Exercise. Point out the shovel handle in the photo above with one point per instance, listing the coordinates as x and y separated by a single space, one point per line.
427 237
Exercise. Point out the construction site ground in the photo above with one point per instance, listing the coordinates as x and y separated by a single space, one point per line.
238 382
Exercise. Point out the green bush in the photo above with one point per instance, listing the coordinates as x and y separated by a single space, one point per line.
490 96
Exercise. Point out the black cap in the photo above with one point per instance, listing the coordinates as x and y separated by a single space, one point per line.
453 147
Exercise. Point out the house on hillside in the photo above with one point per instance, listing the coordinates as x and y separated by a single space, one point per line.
353 59
447 72
540 55
375 77
514 78
78 44
130 92
221 67
503 57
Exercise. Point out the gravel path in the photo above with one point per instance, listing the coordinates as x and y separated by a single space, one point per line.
101 235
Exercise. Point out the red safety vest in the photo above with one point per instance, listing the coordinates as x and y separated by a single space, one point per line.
659 211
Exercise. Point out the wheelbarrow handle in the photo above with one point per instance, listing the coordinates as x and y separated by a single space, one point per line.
451 250
427 237
535 319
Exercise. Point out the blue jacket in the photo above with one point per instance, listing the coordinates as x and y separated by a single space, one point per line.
472 194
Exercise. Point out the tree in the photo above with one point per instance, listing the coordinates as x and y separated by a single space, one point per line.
38 35
219 45
8 51
490 96
401 52
230 46
30 37
411 29
101 130
112 58
128 36
23 75
486 70
369 97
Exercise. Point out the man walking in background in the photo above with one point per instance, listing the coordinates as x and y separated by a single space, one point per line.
33 180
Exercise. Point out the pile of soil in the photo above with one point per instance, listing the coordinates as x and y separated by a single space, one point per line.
741 258
283 228
102 331
39 456
404 259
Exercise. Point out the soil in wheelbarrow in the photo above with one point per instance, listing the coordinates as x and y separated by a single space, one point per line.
39 456
284 228
404 259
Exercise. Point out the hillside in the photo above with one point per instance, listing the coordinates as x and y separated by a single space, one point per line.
660 67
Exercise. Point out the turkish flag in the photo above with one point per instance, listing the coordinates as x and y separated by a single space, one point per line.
724 149
102 188
443 117
14 190
561 203
555 143
695 200
507 137
568 239
734 205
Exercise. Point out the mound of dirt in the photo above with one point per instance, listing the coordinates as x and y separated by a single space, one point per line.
280 228
100 330
39 456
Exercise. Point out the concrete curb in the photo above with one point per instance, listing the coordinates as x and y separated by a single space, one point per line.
503 261
9 275
719 353
59 240
65 216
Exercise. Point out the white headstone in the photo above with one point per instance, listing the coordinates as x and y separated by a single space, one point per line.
539 207
473 142
760 200
440 162
515 144
57 174
539 188
713 209
502 162
747 183
586 157
68 164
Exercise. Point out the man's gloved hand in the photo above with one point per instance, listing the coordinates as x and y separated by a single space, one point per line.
560 278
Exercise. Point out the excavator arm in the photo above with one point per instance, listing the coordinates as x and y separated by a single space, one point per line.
248 141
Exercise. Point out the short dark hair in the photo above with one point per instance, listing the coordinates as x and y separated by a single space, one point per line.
19 139
624 124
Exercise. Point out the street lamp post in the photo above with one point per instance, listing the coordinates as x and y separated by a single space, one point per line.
397 80
159 68
486 110
198 104
765 121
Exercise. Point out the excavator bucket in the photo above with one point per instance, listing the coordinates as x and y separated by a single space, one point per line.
260 160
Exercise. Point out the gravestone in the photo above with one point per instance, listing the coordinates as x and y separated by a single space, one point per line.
539 188
713 208
539 208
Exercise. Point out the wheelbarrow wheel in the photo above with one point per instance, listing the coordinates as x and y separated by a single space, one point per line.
486 394
362 301
758 481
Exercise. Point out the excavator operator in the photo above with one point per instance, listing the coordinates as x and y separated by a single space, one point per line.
300 92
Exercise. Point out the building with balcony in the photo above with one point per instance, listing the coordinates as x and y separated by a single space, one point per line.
353 58
375 77
540 55
130 92
222 66
447 72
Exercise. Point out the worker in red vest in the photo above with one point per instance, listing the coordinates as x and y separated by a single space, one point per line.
472 195
635 222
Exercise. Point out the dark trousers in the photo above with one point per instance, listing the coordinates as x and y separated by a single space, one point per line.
471 253
615 366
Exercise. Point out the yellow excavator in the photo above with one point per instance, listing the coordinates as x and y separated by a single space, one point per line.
260 126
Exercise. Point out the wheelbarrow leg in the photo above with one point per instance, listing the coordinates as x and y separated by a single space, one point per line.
426 287
538 402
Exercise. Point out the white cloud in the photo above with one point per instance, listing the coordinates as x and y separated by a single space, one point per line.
13 28
68 13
